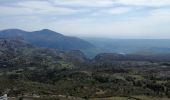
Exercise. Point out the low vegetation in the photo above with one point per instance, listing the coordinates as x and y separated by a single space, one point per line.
32 73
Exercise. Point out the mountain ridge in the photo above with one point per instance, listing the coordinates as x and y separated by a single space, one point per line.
47 38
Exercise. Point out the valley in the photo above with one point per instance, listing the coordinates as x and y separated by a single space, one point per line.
32 72
84 50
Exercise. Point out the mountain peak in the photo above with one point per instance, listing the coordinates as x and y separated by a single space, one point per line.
13 30
48 31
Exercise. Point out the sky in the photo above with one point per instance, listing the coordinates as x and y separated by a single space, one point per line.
89 18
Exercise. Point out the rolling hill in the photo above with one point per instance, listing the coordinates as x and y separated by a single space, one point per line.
19 53
27 70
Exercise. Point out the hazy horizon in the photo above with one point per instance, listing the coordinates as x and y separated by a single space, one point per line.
92 37
115 19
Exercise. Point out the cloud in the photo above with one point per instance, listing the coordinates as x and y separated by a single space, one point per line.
112 11
34 7
119 10
111 3
151 3
98 18
67 7
84 3
154 25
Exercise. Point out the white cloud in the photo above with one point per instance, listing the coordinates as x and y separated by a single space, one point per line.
84 3
118 10
66 7
155 25
121 17
112 11
35 7
111 3
152 3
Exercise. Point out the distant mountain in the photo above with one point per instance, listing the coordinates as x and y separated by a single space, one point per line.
131 46
110 57
47 38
